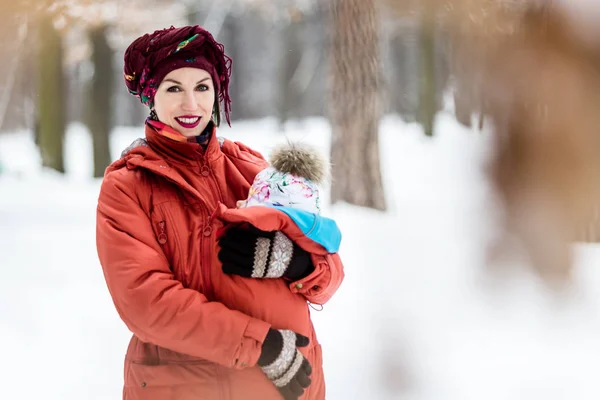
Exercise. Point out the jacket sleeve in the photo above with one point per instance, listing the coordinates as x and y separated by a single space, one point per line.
152 303
323 282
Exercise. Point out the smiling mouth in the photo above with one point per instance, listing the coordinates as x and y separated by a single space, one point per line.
188 122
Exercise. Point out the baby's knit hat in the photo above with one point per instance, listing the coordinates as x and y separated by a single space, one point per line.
293 179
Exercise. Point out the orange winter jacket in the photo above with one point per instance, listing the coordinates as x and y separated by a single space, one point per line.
197 332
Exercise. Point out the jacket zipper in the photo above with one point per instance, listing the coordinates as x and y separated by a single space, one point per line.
206 273
206 265
162 232
214 180
163 239
206 235
178 250
205 261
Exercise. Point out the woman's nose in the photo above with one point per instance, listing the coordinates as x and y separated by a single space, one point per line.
189 102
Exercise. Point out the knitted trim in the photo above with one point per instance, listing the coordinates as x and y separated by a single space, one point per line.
281 255
290 373
285 361
261 256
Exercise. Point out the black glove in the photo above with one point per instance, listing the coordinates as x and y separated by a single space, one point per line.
258 254
283 363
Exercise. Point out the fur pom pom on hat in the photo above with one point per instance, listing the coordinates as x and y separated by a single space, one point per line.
292 180
301 160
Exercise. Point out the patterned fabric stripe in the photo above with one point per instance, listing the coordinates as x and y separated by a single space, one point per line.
173 135
281 255
285 360
166 130
261 257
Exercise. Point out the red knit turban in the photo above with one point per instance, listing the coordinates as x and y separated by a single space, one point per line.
151 57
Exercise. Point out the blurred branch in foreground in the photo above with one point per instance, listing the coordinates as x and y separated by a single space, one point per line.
538 65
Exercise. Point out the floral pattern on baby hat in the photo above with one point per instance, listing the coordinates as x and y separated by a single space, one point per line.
274 188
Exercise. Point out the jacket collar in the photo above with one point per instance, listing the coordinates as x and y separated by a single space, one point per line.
173 146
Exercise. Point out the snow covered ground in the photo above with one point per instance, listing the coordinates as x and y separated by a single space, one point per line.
419 316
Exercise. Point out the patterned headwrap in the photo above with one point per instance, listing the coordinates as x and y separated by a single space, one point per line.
151 57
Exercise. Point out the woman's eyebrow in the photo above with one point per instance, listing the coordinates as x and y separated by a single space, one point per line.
172 80
179 83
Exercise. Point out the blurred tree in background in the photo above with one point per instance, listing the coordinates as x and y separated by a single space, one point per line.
99 96
50 100
427 80
356 104
280 51
64 65
290 63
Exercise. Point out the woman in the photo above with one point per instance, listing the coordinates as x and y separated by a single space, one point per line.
201 331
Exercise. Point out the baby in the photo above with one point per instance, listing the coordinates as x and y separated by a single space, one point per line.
277 250
280 219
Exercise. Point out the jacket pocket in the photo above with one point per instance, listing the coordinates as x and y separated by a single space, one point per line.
173 381
167 235
153 372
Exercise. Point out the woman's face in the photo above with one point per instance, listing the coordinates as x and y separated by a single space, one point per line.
184 100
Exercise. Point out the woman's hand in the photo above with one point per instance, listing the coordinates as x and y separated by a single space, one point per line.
258 254
283 363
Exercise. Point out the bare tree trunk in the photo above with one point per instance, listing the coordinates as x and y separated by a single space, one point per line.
427 84
51 96
356 104
99 110
231 31
291 52
11 76
404 68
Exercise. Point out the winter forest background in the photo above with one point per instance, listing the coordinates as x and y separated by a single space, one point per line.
463 138
279 49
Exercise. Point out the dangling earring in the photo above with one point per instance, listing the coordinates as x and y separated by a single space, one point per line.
153 115
216 114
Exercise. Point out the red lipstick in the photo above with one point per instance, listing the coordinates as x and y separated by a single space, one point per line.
188 121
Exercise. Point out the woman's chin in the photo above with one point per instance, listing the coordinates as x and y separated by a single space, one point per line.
189 132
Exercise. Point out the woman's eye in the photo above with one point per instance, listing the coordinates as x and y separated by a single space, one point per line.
202 88
173 89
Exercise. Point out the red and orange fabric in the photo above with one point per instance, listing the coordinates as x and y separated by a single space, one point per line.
197 332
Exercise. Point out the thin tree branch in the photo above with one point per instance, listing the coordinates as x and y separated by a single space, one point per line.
12 72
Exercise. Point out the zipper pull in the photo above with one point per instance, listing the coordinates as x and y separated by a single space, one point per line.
205 170
162 234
